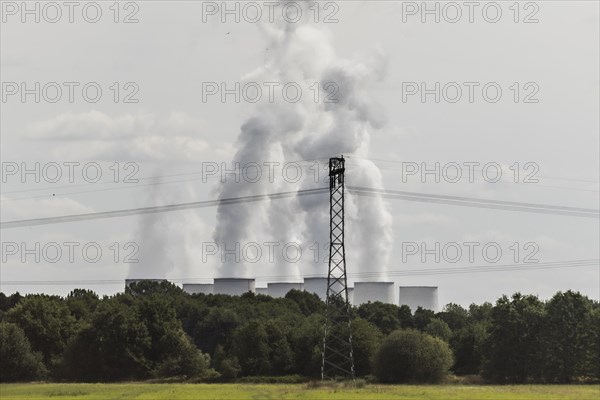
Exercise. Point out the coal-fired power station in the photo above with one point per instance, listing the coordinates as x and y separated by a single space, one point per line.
317 286
233 286
280 289
197 288
336 282
419 296
363 292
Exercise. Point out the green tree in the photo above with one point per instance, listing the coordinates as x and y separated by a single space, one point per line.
157 314
306 341
438 328
18 361
147 287
383 316
47 323
190 311
593 354
82 303
228 367
513 351
411 356
186 361
422 317
216 329
366 338
112 347
250 344
566 336
405 317
309 303
171 352
281 356
466 344
481 313
8 302
454 315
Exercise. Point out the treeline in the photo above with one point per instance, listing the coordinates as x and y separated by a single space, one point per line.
155 330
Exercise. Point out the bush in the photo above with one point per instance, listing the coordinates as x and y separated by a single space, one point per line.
411 356
18 362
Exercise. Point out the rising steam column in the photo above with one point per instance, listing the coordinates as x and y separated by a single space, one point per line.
338 360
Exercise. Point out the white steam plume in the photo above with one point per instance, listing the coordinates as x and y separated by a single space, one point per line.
284 132
168 243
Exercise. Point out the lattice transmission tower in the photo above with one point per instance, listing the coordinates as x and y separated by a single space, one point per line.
337 357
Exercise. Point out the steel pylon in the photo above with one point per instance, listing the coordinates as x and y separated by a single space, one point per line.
337 356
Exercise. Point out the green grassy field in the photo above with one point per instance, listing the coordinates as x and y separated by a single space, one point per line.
241 391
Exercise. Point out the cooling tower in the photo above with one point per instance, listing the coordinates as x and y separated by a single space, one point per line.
419 296
316 285
233 286
280 289
196 288
373 291
262 290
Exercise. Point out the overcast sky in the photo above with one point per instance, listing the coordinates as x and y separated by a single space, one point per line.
156 121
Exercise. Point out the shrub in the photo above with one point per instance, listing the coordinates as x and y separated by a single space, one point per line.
411 356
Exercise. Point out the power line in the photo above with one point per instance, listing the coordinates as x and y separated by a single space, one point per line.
159 181
475 202
357 190
158 209
457 270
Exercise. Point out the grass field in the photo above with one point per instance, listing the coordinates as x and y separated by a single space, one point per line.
144 391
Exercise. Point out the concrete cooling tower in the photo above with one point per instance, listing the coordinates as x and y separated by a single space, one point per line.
419 296
316 285
196 288
233 286
262 290
280 289
365 292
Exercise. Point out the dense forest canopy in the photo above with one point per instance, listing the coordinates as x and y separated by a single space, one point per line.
156 331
